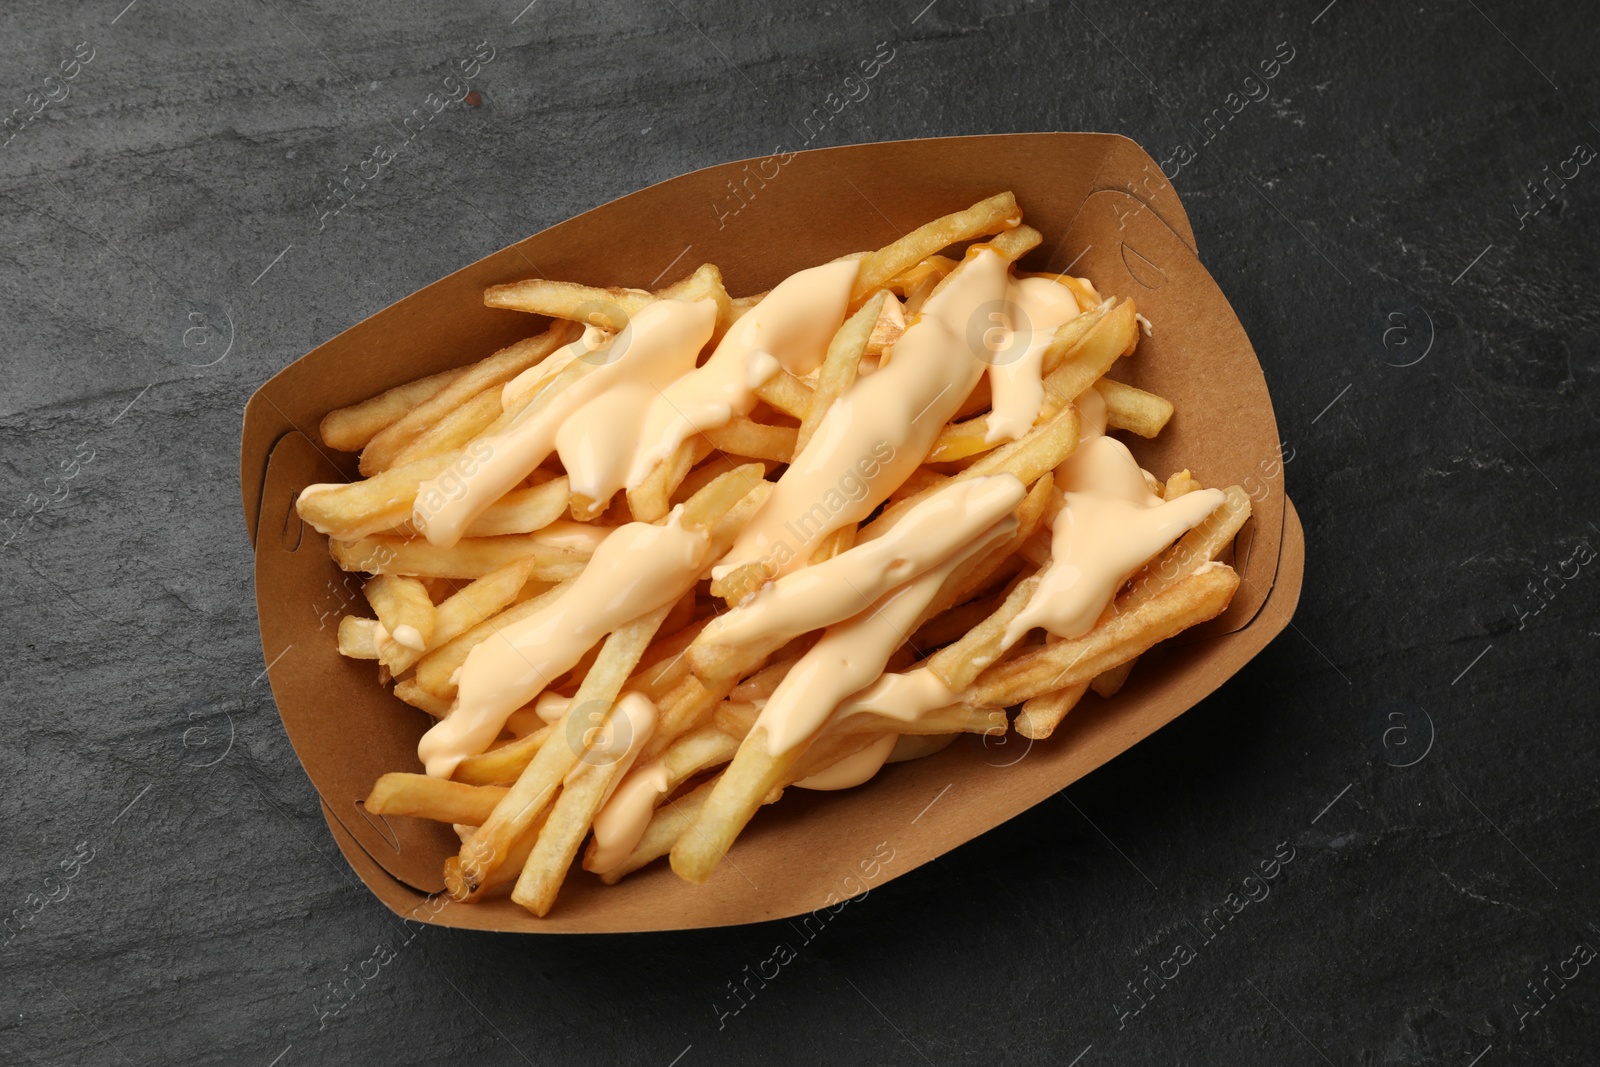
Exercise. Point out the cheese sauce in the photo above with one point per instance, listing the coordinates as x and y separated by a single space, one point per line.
1110 525
789 329
661 333
854 769
1035 309
621 821
852 654
518 389
907 697
874 436
835 589
640 567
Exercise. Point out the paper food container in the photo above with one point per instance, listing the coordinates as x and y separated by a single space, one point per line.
1106 212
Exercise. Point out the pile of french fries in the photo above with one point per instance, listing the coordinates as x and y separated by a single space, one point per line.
524 808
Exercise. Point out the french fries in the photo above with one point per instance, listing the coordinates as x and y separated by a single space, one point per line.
349 429
666 733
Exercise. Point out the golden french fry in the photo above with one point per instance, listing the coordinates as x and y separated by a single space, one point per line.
747 507
839 367
405 610
451 433
720 497
504 762
355 510
1014 243
522 510
1041 715
349 429
468 607
608 308
472 557
936 266
788 394
753 773
436 670
1202 595
1036 452
704 284
997 213
958 440
690 704
827 750
715 467
666 665
666 826
741 582
1113 336
358 638
686 757
1192 551
695 751
997 564
737 719
583 791
432 798
1070 333
503 876
950 624
1178 484
959 663
409 691
537 784
746 437
651 499
587 508
1132 409
1109 683
497 369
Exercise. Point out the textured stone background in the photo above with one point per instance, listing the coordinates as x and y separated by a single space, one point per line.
160 258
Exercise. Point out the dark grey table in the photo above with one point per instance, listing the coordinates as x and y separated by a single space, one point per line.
1404 219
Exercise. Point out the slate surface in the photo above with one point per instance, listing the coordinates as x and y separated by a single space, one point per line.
1421 743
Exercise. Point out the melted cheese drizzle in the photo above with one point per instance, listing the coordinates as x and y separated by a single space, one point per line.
907 697
662 334
523 385
614 425
1035 309
1110 525
628 728
789 329
638 568
835 589
622 820
597 442
874 436
852 654
854 769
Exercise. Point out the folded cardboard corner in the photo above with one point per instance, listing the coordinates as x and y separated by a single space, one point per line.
1106 213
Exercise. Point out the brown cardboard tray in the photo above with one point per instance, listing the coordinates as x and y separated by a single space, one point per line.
1106 212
